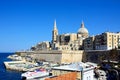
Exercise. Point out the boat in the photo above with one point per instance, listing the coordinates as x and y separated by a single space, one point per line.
15 57
38 73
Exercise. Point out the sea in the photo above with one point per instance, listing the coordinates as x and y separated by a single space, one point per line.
7 74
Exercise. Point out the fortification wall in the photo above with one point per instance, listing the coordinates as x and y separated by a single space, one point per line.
59 56
93 56
97 56
71 56
48 56
68 56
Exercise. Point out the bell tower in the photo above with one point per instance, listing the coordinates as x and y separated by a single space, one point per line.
54 33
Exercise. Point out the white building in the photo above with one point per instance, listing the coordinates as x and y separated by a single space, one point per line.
84 71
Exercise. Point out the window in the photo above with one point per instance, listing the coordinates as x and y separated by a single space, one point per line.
70 45
89 78
109 42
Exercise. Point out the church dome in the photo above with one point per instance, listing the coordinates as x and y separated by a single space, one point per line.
82 30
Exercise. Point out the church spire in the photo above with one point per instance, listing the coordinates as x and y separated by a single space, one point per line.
54 33
55 26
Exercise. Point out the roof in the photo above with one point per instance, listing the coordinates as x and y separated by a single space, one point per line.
74 67
93 64
82 29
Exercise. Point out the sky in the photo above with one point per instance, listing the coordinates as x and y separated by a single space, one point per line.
24 23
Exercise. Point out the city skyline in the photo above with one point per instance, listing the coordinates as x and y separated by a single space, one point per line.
26 22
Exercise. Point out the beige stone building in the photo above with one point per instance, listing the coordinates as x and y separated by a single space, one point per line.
69 41
107 41
104 41
45 45
89 43
80 41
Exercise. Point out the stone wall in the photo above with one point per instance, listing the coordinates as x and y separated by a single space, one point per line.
59 56
94 55
51 56
98 56
24 53
71 56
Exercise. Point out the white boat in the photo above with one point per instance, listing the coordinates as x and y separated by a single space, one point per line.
34 74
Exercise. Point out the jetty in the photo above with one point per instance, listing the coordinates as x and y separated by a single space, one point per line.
21 66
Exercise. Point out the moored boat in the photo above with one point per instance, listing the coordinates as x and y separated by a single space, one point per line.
35 74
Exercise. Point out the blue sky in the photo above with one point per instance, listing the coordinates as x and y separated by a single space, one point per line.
24 23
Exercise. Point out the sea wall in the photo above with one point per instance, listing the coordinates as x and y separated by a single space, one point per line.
97 56
59 56
72 56
68 56
50 56
24 53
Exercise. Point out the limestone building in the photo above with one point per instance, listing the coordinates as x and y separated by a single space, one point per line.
89 43
45 45
104 41
80 40
69 41
107 41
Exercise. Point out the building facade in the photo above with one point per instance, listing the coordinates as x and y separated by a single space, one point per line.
69 41
80 40
89 43
104 41
45 45
84 71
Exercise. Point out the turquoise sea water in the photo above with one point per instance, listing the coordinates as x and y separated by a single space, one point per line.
7 74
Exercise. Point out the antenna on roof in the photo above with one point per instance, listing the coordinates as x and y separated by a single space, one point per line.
107 30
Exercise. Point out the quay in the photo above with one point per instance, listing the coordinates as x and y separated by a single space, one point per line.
21 66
